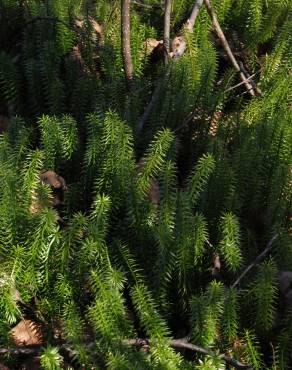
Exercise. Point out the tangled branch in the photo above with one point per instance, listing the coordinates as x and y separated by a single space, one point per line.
138 342
126 43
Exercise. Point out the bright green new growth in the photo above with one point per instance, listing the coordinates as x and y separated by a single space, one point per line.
230 241
51 359
265 294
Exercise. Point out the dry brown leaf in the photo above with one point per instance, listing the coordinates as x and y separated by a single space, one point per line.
52 179
178 47
96 26
57 184
79 23
152 44
76 55
27 332
216 265
216 261
36 206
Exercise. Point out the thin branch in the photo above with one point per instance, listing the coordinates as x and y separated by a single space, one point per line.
186 121
126 43
256 261
138 342
226 47
249 77
190 23
192 114
166 31
18 351
154 99
240 83
179 44
178 343
156 93
236 96
190 117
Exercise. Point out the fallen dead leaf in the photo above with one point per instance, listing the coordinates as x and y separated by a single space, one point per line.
27 332
53 179
96 26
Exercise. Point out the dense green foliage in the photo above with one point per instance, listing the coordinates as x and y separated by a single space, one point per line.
130 252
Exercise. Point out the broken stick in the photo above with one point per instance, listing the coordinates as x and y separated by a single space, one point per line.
126 43
226 47
189 25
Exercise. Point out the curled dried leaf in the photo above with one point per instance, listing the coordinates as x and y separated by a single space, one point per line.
178 47
52 179
76 56
58 186
79 23
27 332
96 26
151 44
216 265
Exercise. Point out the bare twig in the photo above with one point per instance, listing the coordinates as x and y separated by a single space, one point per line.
178 343
156 92
166 31
137 342
226 47
179 44
255 262
191 115
186 121
240 83
189 25
249 77
155 96
237 96
25 350
126 43
154 99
